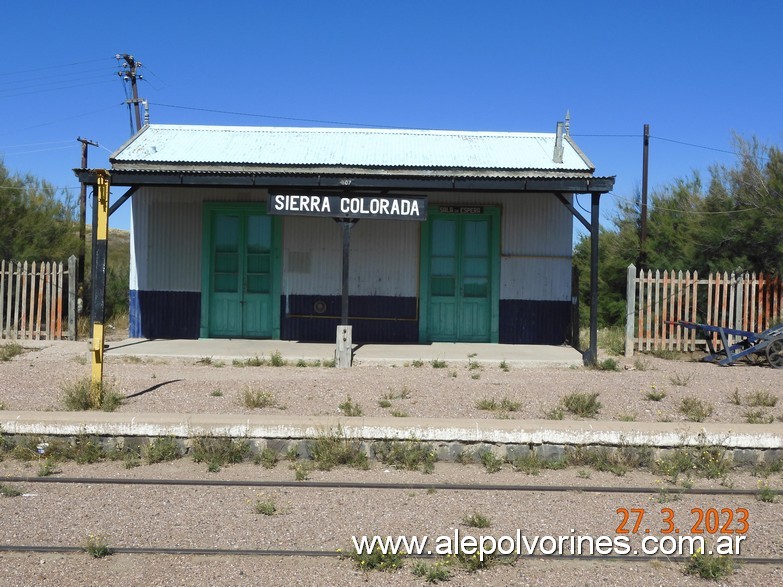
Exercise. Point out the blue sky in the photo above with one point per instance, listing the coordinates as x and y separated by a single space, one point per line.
696 71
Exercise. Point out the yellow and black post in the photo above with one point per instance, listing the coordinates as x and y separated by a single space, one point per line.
100 236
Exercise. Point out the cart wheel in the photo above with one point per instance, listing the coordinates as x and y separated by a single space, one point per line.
775 353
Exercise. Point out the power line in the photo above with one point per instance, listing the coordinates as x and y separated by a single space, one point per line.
59 120
52 77
33 144
51 83
696 146
39 150
701 212
55 89
269 116
60 66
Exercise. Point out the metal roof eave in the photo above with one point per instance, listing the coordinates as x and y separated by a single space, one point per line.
336 180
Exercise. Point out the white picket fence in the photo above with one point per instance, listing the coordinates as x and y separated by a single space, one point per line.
33 300
655 299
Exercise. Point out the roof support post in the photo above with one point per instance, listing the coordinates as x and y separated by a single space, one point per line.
100 236
591 354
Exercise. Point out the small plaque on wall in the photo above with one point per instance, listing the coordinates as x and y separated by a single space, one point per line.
461 209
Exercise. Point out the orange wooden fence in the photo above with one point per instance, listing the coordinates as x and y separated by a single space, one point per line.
744 301
38 300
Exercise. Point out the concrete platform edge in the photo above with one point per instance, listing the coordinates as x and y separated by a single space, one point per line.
497 432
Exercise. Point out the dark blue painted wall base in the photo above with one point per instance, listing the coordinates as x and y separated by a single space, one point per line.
375 319
164 314
534 322
379 319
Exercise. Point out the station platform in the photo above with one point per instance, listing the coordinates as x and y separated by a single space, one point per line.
363 354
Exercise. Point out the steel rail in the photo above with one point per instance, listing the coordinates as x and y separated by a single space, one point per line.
381 485
136 550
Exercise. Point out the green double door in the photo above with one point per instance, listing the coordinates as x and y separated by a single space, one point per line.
241 293
460 281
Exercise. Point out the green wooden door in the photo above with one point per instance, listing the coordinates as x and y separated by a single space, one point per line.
241 277
458 288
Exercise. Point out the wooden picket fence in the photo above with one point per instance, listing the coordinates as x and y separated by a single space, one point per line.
744 301
31 300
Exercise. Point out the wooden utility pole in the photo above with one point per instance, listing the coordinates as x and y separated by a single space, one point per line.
643 228
130 73
82 226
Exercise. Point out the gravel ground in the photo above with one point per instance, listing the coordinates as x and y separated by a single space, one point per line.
35 381
326 519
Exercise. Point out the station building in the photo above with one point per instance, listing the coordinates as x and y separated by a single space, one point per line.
234 234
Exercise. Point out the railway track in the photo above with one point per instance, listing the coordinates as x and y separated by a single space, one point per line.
373 485
137 550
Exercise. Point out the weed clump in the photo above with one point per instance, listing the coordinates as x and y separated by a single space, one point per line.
584 405
255 399
10 350
350 408
333 448
709 566
376 560
218 452
163 449
96 546
82 395
411 454
695 409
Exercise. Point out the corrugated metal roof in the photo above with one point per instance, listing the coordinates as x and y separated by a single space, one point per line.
340 147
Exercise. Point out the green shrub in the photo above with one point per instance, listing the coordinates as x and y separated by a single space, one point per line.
265 507
709 566
10 350
411 454
218 452
695 409
162 449
256 399
376 560
333 448
350 408
763 399
432 573
608 365
268 458
8 491
81 395
477 520
96 546
585 405
758 417
277 360
491 462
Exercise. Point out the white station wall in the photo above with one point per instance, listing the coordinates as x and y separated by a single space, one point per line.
536 235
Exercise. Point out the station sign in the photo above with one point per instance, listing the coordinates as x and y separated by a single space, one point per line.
386 206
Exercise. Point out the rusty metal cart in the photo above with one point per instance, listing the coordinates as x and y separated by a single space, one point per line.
752 346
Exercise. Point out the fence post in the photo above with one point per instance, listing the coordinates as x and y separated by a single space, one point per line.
630 309
739 302
2 298
72 272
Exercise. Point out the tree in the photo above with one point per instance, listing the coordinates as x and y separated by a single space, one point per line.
34 223
735 225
